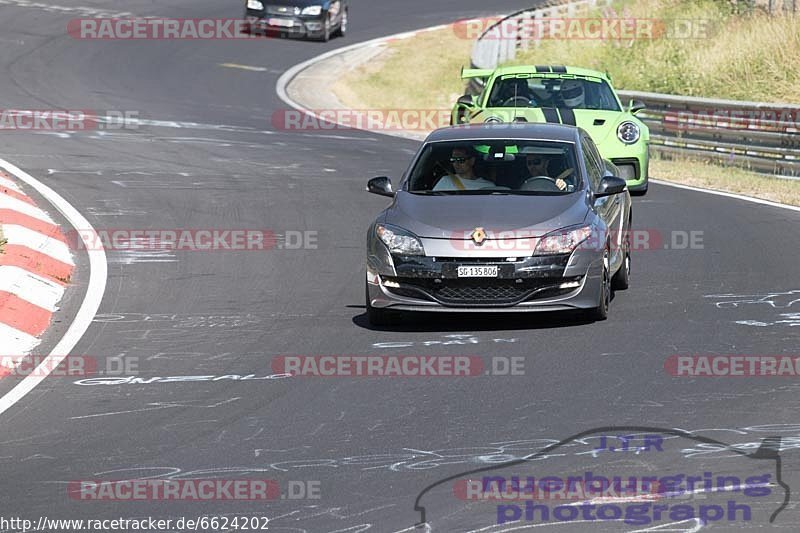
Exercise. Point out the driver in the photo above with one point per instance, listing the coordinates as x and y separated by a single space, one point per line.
538 167
515 90
464 177
572 94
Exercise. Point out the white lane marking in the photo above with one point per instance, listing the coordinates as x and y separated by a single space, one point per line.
249 68
7 202
289 75
98 276
7 183
728 195
22 236
30 287
16 342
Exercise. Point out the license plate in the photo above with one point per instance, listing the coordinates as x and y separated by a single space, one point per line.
283 23
477 272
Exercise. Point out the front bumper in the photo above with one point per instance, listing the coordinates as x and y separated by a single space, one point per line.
634 165
297 26
539 283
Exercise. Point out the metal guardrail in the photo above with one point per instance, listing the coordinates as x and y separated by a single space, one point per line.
763 137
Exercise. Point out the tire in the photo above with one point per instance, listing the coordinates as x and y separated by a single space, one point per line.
604 297
342 31
326 30
642 191
376 316
622 279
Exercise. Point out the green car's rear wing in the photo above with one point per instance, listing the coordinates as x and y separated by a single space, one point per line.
467 73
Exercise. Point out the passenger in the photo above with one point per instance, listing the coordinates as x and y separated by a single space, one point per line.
464 177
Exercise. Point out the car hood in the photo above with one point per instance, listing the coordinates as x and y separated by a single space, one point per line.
599 124
442 217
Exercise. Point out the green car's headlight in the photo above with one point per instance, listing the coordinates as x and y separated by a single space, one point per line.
312 10
255 4
562 241
628 132
493 120
399 241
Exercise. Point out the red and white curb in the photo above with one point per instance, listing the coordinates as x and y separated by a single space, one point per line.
35 268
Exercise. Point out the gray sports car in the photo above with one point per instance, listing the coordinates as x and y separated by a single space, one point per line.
500 217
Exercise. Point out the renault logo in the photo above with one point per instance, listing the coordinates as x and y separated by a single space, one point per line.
478 235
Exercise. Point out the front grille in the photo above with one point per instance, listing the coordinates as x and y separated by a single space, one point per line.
480 292
280 10
498 293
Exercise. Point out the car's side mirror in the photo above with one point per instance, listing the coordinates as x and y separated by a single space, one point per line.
381 186
635 106
467 100
610 185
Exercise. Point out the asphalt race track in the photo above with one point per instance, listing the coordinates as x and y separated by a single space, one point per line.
210 159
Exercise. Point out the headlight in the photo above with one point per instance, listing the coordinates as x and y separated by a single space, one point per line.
312 10
255 4
399 241
628 132
493 120
562 241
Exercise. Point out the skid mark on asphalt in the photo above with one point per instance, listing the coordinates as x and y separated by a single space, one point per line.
769 302
447 340
155 406
77 10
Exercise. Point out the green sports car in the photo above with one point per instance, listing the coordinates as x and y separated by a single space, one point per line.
566 95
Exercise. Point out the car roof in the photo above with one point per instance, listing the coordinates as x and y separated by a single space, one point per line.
554 69
516 130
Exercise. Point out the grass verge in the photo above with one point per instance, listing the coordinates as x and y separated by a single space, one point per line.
741 56
727 179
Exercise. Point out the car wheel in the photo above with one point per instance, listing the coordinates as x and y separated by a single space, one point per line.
642 191
622 279
342 31
376 316
326 30
604 297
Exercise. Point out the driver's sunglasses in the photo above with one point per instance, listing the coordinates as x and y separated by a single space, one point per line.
535 161
459 159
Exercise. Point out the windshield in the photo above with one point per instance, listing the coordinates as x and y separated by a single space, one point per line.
534 90
495 167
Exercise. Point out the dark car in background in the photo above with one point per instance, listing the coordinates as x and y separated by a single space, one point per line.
313 19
